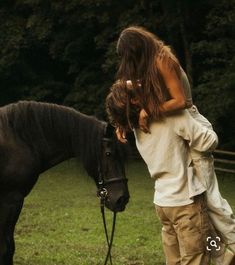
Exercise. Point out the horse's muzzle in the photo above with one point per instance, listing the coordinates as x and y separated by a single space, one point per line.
117 204
121 203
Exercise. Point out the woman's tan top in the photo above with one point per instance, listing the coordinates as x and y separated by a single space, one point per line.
187 89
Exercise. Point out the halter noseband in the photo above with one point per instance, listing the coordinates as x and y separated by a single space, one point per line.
102 192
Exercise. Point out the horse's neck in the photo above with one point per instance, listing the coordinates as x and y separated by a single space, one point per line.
59 150
78 137
55 156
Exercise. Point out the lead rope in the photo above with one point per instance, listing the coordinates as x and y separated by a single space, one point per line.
109 242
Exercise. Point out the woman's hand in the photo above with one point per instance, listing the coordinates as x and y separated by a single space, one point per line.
121 135
143 121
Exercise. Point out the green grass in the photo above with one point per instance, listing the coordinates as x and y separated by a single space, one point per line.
61 221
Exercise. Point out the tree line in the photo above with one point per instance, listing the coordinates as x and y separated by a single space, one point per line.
64 51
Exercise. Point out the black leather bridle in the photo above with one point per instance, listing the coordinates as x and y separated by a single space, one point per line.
102 193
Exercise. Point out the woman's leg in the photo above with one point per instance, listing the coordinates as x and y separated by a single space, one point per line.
219 209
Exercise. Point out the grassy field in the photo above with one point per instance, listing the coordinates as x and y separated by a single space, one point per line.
61 221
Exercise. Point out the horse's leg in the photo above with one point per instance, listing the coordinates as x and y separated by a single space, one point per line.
10 207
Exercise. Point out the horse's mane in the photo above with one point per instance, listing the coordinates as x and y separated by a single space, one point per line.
36 123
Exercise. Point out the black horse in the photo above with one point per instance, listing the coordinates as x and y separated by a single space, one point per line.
36 136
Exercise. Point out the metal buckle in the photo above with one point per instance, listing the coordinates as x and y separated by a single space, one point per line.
102 193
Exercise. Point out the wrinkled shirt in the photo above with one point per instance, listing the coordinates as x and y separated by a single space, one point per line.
165 150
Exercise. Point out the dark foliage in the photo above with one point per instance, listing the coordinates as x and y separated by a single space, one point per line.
64 51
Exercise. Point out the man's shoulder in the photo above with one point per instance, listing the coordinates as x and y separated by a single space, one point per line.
181 121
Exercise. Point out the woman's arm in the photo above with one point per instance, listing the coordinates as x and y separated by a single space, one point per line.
175 89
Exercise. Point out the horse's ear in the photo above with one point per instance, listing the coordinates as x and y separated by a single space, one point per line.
109 130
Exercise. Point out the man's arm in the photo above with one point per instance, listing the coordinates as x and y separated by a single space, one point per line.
198 136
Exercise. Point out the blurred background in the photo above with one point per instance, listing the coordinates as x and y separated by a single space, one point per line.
64 51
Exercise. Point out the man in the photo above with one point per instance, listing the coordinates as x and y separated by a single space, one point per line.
179 196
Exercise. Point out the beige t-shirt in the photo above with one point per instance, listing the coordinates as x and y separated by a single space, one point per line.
166 153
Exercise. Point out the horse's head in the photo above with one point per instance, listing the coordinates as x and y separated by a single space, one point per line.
111 181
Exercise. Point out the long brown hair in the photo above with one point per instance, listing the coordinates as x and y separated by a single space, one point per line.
139 50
